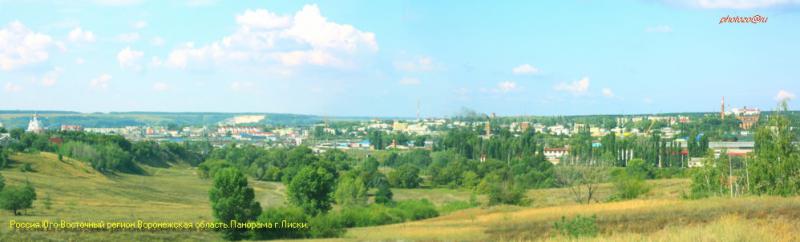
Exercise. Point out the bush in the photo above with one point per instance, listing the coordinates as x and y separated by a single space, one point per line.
326 226
577 227
26 168
629 186
504 194
380 214
210 167
278 215
417 209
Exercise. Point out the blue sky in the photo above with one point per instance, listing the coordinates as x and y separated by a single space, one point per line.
382 58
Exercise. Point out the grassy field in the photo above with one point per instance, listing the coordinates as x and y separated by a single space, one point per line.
79 193
718 219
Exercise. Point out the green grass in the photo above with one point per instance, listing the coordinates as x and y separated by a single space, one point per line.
79 193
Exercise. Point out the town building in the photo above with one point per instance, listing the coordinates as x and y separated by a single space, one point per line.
77 128
747 116
554 155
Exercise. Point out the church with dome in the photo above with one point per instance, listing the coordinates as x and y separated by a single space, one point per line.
35 125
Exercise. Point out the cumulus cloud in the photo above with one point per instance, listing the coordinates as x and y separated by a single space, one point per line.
735 4
525 69
51 77
12 87
79 35
784 95
305 38
578 87
139 24
417 65
607 92
658 29
19 46
130 59
128 37
410 81
100 82
160 86
263 19
507 86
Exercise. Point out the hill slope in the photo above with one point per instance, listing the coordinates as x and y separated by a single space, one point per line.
79 193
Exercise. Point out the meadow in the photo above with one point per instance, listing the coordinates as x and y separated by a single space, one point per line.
79 193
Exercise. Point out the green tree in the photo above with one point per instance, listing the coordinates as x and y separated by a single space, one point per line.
311 188
15 198
776 167
406 176
707 180
351 191
233 199
384 194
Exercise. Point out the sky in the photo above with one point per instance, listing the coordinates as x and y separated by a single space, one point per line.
397 58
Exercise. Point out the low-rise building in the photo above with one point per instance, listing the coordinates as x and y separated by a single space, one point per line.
554 155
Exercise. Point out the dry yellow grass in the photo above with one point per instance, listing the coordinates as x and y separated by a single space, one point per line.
757 218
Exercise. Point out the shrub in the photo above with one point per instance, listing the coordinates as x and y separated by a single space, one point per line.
417 209
629 186
278 215
577 227
26 168
326 226
210 167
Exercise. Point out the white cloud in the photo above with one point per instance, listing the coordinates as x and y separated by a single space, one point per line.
658 29
578 87
507 86
19 46
525 69
305 38
139 24
157 41
160 87
240 86
79 61
607 92
410 81
736 4
784 95
11 87
647 100
128 37
51 77
130 59
100 82
418 65
79 35
263 19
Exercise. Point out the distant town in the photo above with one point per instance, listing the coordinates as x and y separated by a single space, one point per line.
420 133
